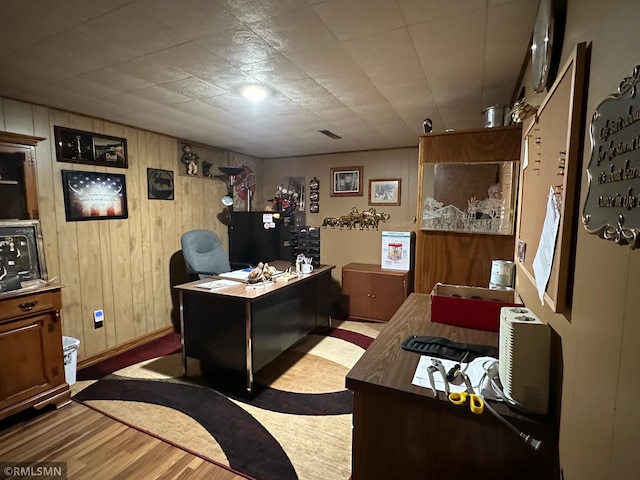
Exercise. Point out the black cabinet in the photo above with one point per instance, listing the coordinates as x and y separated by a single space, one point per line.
259 237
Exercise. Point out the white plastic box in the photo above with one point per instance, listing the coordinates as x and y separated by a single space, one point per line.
70 348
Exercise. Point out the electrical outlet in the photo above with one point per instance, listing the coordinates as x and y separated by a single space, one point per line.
98 319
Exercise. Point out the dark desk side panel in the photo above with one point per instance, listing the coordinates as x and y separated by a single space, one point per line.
428 439
265 330
215 331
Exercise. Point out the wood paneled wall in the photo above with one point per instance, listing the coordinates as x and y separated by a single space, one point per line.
460 258
119 266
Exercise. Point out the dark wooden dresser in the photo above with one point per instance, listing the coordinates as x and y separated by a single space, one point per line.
402 431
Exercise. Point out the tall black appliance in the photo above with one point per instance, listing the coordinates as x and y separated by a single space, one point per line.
259 237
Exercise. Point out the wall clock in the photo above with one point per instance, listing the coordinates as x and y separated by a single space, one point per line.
541 45
546 44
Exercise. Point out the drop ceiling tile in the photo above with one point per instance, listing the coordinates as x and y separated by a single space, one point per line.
438 39
192 19
421 11
255 10
275 70
349 19
301 89
297 30
22 66
67 99
88 87
191 58
229 79
114 78
153 68
193 87
135 30
332 58
133 102
12 84
505 20
241 46
392 46
201 109
161 95
96 42
25 23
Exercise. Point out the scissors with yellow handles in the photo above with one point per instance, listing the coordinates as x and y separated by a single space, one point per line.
476 402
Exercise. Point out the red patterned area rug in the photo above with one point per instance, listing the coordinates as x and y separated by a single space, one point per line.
298 425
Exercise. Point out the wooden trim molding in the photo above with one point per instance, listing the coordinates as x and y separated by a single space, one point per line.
112 352
20 139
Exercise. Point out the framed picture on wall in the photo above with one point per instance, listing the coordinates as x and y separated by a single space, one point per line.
78 146
385 191
159 184
94 195
346 182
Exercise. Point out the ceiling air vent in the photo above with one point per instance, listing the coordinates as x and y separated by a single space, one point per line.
330 134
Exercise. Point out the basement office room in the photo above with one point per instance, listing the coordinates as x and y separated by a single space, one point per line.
443 193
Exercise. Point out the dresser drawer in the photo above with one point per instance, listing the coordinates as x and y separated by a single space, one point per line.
16 307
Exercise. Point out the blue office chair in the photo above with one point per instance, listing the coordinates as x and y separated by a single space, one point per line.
204 254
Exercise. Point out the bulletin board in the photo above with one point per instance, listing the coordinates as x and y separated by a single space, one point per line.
552 166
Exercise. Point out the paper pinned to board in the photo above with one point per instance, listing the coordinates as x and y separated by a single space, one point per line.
543 260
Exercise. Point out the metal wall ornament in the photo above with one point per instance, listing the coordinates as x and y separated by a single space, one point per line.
368 219
314 196
612 205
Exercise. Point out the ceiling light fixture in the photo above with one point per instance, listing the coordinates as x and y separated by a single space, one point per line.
254 93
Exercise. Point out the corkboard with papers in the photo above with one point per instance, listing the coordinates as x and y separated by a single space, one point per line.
551 169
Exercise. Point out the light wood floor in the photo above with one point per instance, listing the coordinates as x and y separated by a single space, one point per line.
96 447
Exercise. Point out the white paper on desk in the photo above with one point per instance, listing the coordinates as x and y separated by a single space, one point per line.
243 275
543 260
215 284
475 371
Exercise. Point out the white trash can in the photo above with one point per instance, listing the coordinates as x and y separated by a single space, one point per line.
70 347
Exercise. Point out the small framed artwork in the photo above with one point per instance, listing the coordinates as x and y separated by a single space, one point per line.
159 184
78 146
346 182
385 191
93 195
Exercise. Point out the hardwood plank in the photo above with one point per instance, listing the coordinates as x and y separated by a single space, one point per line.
96 446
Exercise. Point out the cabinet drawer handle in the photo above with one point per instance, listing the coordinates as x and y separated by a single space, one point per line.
26 306
374 295
368 294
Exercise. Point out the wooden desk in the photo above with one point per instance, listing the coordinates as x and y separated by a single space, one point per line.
401 431
236 331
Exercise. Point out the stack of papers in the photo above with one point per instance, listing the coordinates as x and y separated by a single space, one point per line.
215 284
243 275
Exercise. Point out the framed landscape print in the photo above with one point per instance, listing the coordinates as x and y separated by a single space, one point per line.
346 182
385 191
93 195
78 146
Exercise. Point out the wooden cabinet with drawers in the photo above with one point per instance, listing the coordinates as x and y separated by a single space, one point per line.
31 353
372 293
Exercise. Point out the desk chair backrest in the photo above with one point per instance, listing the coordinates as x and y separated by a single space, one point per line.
203 254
